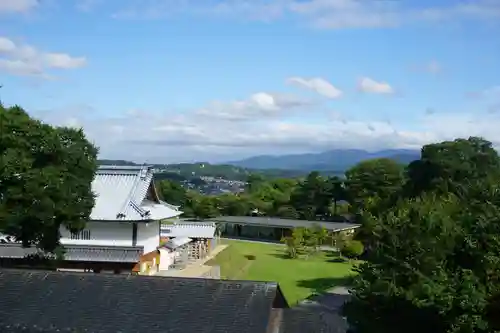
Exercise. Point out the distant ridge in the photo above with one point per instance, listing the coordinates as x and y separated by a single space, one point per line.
338 159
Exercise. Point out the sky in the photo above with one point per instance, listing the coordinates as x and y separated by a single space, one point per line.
163 81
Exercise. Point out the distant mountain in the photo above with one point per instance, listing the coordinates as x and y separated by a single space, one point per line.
336 160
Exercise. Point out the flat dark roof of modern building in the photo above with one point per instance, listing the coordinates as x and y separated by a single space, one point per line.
283 223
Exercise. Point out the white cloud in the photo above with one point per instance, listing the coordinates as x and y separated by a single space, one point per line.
17 6
369 85
175 137
325 14
26 60
260 105
317 84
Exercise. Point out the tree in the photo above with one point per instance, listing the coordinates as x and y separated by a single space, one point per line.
352 249
205 207
434 267
232 205
294 242
45 179
172 192
378 178
451 166
336 191
311 197
253 182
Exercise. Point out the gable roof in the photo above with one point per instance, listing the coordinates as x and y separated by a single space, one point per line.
101 303
120 195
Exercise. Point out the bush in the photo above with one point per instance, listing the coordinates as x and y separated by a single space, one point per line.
353 249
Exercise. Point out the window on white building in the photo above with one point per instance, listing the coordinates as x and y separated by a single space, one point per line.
81 235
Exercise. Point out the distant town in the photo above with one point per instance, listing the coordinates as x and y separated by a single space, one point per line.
206 185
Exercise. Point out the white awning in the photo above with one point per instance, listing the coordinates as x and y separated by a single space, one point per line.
160 211
177 242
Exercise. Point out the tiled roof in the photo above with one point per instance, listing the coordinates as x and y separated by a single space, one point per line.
314 318
101 303
125 254
189 229
120 192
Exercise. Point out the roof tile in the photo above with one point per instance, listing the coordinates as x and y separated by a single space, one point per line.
101 303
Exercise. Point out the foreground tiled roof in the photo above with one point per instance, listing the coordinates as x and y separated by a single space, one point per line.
38 301
120 192
314 318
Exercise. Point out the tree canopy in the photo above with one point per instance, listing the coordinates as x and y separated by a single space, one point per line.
434 258
45 179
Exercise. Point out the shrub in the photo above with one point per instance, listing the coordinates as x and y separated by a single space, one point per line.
353 249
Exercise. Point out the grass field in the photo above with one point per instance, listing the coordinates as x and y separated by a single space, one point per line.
298 278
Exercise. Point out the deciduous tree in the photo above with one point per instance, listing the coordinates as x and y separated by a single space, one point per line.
376 179
45 179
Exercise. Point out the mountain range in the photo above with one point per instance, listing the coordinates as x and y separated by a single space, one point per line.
338 159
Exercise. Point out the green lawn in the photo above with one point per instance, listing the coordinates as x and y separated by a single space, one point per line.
298 278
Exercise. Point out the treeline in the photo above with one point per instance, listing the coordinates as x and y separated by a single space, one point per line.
315 197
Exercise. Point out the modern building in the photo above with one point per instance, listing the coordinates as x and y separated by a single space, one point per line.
272 228
46 302
124 224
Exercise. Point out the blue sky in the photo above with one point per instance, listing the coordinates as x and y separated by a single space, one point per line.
185 80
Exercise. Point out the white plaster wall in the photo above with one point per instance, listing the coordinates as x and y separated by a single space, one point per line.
166 259
102 233
148 235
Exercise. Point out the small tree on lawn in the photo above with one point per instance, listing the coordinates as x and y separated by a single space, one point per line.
353 249
294 242
340 239
320 234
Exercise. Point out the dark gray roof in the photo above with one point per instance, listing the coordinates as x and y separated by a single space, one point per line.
99 303
124 254
283 223
314 318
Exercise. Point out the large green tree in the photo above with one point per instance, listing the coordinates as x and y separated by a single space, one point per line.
372 181
311 198
451 166
434 259
45 179
434 267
